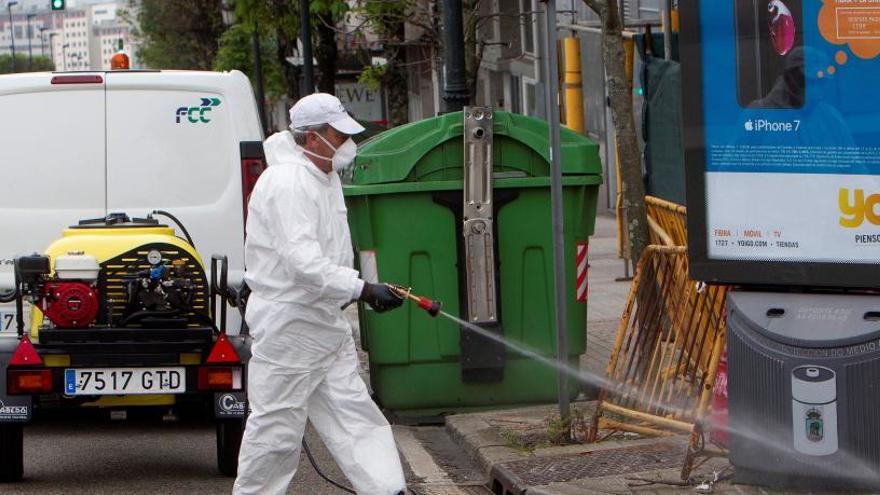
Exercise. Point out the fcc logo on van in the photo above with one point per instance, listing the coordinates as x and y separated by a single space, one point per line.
199 114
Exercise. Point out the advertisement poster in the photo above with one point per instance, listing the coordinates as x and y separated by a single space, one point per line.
787 130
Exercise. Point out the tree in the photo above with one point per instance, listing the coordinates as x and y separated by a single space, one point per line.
624 124
177 34
278 20
39 64
236 53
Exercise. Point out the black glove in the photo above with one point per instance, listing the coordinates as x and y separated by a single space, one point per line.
380 297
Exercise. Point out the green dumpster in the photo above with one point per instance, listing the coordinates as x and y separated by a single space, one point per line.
405 205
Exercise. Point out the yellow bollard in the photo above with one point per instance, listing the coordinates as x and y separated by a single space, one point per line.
574 93
629 50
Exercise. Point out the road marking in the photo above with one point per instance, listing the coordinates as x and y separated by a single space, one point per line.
420 460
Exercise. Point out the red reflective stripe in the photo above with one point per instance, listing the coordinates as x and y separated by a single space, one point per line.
581 266
78 79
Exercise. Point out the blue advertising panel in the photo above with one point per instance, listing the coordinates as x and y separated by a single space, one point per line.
782 135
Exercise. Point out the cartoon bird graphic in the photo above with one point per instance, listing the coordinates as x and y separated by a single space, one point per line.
782 28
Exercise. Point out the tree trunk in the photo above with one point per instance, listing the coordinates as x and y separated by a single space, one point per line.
326 53
620 96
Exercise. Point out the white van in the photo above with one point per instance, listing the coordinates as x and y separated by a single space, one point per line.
87 144
95 145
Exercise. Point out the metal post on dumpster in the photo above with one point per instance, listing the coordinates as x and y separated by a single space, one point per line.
552 102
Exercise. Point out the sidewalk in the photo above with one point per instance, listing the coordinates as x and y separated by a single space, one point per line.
510 445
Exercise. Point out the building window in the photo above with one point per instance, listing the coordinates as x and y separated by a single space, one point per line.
527 30
529 96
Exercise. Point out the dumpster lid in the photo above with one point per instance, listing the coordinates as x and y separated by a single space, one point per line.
431 150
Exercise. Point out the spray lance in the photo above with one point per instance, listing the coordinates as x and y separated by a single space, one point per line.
429 305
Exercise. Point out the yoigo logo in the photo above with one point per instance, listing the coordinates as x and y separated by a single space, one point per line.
198 114
854 213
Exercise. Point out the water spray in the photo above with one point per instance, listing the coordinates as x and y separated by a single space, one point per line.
431 306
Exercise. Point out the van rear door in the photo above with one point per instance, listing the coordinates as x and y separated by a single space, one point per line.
52 161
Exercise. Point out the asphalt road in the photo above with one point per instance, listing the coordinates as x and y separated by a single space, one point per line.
147 456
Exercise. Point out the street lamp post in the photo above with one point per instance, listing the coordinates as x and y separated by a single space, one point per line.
43 30
29 36
64 56
52 49
306 38
9 5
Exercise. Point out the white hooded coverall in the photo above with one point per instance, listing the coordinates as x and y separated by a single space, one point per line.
304 365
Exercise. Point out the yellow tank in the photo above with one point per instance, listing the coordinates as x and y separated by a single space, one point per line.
121 249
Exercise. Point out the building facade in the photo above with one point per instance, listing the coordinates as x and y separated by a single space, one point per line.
82 37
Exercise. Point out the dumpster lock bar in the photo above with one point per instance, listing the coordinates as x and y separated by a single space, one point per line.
479 242
431 306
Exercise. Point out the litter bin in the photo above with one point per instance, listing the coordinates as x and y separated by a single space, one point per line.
412 191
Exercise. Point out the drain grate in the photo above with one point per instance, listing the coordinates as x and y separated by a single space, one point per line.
542 471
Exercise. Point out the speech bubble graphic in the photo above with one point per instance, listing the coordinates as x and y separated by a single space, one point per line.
855 23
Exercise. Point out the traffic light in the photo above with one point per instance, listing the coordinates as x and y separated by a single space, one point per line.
58 4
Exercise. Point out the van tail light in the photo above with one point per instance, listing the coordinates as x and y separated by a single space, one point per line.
78 79
222 370
29 381
253 163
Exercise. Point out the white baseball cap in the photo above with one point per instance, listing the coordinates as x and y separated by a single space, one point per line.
323 108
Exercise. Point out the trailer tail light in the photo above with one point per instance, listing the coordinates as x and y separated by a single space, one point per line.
222 370
29 381
220 378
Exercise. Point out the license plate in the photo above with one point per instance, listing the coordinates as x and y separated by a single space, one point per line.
119 381
8 321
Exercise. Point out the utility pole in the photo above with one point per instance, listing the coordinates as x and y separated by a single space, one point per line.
308 86
43 30
9 5
552 101
29 36
258 75
52 49
455 90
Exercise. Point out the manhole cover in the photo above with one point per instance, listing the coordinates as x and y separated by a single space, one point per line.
541 471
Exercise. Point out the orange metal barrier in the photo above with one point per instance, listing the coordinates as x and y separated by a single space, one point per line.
667 222
671 336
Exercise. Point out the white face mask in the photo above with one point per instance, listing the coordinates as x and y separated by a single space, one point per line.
342 156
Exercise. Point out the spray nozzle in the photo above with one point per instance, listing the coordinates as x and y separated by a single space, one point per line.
429 305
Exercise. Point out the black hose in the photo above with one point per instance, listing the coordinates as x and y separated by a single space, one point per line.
179 224
321 473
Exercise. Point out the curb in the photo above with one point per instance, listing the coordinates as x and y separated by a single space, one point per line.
481 441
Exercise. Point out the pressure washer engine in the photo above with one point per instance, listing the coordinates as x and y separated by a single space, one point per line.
123 316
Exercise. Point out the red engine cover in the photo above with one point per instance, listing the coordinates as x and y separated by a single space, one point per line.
70 304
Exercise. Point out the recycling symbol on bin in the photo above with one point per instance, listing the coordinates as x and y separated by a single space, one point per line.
814 425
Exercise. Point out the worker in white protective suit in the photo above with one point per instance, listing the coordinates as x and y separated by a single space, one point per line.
299 266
